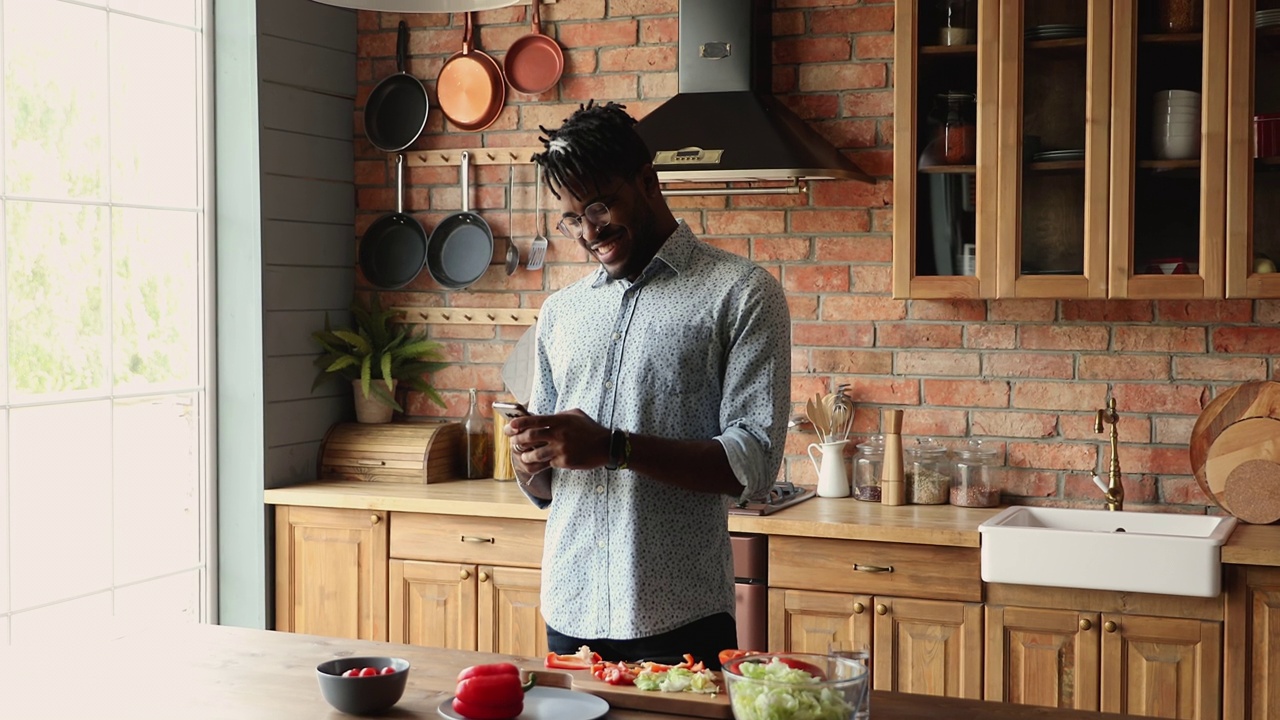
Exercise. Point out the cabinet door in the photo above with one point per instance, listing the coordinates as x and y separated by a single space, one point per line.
433 604
818 622
1253 185
944 203
1161 667
509 612
331 572
1168 155
928 647
1042 657
1264 639
1054 95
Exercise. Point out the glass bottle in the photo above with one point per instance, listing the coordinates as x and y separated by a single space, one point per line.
479 454
974 482
955 26
959 131
866 469
928 482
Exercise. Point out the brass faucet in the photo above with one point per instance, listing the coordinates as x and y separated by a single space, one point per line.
1113 488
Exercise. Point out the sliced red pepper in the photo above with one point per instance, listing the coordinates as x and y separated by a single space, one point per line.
727 655
619 673
577 661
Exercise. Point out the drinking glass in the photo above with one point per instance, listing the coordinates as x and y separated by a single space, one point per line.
863 658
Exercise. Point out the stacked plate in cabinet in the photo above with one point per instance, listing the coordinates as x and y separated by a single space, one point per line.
1266 18
1058 155
1054 32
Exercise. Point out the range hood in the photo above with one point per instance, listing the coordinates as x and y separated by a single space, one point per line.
724 124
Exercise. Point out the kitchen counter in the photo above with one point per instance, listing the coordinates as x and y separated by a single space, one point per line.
839 518
201 672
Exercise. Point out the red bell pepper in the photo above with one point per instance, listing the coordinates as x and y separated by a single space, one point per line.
490 692
581 660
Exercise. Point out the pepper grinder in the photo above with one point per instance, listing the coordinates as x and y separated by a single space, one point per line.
892 482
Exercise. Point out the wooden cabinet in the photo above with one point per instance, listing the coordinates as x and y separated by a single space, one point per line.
826 594
1252 669
448 589
331 572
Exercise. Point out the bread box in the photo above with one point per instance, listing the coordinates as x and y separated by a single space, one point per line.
396 452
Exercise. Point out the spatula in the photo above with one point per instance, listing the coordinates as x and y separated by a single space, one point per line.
538 250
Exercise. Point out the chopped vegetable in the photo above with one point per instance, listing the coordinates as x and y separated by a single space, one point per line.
620 673
490 692
784 693
581 660
727 655
678 679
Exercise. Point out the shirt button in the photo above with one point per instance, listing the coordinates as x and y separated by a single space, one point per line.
608 383
617 336
599 489
600 543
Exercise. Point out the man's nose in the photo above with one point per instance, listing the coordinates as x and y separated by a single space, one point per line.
589 230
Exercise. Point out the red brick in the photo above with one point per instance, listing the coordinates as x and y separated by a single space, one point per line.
924 422
629 8
843 76
816 278
368 172
786 79
920 335
966 393
803 307
813 106
599 33
1014 424
863 248
1172 430
737 245
1124 367
784 248
1080 427
876 163
1205 311
1268 312
885 128
956 364
1109 311
1022 311
851 20
747 222
1250 341
1029 365
1020 482
853 362
786 24
830 221
1063 337
641 59
881 219
1183 491
867 47
855 133
620 87
1059 395
1219 368
843 194
1159 339
1155 459
884 391
872 278
811 49
1161 399
842 308
1053 456
655 31
991 337
867 103
833 335
1137 488
954 310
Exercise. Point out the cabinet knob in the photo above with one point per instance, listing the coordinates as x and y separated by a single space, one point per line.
859 608
464 574
1110 626
375 519
882 609
1085 624
484 576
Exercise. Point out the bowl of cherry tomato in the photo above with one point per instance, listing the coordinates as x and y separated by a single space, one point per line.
363 685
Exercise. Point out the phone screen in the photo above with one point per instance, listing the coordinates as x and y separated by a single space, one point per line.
511 410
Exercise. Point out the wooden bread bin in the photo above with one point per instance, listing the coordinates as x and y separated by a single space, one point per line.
396 452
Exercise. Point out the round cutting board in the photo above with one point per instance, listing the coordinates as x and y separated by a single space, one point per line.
1241 427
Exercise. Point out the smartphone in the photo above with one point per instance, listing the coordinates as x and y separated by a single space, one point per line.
509 409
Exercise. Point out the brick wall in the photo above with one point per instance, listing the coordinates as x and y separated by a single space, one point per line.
1026 374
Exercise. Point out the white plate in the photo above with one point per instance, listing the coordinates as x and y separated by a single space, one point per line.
549 703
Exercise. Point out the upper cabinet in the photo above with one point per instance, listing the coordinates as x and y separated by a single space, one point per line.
1114 150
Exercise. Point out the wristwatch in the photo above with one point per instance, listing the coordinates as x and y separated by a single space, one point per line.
619 450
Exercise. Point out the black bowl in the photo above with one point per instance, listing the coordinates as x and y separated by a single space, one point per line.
362 695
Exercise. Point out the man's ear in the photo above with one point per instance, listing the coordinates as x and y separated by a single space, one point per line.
649 181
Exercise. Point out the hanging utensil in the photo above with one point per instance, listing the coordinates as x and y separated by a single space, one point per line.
513 252
538 250
470 86
461 246
534 62
397 109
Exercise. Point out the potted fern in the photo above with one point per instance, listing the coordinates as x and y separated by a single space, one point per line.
374 356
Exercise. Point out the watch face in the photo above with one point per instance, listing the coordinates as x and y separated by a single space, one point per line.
618 450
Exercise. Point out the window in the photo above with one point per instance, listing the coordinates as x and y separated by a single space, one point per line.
105 492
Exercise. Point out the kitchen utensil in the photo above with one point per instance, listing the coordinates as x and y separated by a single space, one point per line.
513 252
397 109
839 423
461 246
394 248
470 87
892 478
538 250
549 703
833 481
534 62
1239 426
362 695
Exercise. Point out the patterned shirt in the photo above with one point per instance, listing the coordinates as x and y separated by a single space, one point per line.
698 347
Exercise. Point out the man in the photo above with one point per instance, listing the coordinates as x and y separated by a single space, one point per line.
661 395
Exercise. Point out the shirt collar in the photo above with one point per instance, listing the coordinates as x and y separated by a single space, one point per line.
676 253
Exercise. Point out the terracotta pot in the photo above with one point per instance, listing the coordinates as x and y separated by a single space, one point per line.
370 409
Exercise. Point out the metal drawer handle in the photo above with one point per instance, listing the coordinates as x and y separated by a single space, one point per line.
379 463
477 538
872 568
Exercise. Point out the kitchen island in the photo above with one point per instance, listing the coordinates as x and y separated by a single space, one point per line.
208 672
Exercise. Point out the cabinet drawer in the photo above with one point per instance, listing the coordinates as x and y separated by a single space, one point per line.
454 538
877 568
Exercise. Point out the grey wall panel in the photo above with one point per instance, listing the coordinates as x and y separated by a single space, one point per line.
301 421
307 156
292 464
310 67
308 243
290 331
291 198
289 378
309 22
287 287
290 108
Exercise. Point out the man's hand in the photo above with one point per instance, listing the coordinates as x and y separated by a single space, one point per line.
568 440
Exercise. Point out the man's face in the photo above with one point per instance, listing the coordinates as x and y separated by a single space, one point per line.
616 225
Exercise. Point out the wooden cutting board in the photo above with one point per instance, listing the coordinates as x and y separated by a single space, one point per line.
1236 442
630 697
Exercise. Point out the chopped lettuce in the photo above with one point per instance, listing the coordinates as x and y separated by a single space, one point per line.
678 679
775 691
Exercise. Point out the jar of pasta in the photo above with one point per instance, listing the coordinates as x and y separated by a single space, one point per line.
926 473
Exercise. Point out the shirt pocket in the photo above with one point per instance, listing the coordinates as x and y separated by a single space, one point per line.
678 359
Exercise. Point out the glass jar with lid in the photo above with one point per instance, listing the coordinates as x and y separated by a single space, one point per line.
974 483
867 464
927 477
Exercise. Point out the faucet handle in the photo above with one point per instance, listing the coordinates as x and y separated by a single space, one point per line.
1097 421
1101 485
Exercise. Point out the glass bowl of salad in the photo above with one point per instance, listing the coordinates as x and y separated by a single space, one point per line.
795 686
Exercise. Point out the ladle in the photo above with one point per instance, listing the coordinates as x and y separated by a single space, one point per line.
513 252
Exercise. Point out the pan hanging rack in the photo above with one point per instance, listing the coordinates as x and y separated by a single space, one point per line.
479 156
427 6
413 315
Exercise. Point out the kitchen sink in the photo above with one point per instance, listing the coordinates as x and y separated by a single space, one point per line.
1101 550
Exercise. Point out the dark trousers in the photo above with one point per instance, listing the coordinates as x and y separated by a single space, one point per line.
703 639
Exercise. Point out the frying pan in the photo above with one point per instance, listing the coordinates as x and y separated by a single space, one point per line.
470 87
397 109
394 247
461 246
534 62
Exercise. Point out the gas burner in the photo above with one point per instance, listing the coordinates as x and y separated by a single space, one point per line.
781 495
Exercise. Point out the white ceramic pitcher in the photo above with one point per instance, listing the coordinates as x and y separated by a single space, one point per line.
832 480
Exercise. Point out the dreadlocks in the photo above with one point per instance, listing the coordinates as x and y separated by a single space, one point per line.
596 143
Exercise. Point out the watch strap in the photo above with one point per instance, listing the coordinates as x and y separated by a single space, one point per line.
619 450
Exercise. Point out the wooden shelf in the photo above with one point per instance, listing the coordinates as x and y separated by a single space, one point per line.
1159 165
948 169
1171 38
1056 165
949 50
1268 164
1058 43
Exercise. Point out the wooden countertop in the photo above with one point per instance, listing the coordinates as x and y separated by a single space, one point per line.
202 672
842 518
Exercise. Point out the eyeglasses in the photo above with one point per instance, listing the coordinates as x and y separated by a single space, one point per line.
597 214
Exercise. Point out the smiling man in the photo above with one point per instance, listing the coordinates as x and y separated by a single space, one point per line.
661 394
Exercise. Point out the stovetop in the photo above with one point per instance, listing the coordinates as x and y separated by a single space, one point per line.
781 495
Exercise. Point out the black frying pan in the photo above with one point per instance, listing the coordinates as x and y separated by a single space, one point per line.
394 247
396 110
461 246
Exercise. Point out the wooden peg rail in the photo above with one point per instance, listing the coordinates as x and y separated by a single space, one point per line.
467 316
479 156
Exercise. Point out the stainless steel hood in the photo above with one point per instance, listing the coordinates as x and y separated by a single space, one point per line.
724 124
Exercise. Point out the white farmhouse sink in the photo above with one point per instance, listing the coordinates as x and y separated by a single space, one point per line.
1102 550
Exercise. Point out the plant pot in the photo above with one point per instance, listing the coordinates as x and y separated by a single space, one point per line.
370 409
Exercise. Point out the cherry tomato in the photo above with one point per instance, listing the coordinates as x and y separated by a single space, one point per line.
368 672
353 672
388 670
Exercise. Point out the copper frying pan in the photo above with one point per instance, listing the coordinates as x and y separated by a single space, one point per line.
470 87
535 61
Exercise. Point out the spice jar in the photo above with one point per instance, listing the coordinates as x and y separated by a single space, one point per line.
958 134
955 22
974 482
867 462
928 482
1179 16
